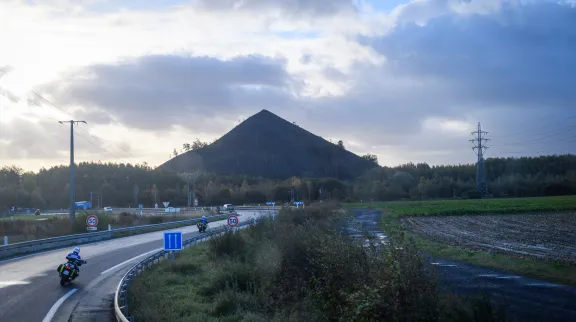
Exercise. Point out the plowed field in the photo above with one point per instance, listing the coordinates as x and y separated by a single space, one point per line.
547 236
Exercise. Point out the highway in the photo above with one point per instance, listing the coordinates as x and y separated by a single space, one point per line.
30 289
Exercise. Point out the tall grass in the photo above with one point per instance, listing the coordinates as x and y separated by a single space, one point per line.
299 268
24 229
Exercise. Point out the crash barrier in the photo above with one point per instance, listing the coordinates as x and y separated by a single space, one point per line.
187 209
37 245
121 297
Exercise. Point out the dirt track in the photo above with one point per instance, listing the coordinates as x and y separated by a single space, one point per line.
543 236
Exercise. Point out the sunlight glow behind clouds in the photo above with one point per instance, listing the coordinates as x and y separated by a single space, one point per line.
368 76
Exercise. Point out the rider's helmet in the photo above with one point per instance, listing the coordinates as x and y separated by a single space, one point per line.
76 250
203 217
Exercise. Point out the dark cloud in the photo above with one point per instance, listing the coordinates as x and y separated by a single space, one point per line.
522 55
295 8
512 68
153 92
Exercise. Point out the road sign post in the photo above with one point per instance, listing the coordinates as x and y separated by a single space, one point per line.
92 222
172 242
233 222
140 206
271 203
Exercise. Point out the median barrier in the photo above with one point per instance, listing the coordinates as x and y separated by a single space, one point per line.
34 246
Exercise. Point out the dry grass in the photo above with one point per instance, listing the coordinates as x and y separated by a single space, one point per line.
51 226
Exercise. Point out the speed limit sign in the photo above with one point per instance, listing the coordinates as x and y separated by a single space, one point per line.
233 221
92 221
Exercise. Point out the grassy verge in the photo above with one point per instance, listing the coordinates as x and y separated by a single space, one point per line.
20 230
474 206
297 268
545 270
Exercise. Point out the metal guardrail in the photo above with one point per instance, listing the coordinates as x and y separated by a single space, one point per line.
121 295
32 246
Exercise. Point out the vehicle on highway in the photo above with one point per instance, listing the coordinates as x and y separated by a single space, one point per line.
203 224
71 269
83 205
108 209
202 227
229 208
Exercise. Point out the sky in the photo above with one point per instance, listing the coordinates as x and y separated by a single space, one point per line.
405 80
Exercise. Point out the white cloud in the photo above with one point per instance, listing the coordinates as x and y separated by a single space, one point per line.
379 82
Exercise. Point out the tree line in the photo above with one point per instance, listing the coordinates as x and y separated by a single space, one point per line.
126 185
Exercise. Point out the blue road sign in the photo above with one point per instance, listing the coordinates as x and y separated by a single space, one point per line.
299 202
140 206
173 241
271 203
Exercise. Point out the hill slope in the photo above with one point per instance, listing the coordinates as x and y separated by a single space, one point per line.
269 146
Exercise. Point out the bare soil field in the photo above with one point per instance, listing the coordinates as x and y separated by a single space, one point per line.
545 236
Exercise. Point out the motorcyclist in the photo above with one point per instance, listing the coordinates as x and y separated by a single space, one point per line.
204 220
75 258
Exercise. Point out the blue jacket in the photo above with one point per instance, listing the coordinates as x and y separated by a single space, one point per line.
75 258
205 220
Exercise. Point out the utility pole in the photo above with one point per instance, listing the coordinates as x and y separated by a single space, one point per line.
479 148
72 188
190 193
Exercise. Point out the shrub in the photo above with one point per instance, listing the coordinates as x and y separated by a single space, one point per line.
300 268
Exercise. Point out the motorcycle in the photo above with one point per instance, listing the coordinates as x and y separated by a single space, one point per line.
202 227
69 271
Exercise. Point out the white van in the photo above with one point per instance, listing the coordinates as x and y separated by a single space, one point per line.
228 208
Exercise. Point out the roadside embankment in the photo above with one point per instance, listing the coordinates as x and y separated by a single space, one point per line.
297 268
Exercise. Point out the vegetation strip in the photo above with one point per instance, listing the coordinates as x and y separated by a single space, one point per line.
558 270
21 230
296 268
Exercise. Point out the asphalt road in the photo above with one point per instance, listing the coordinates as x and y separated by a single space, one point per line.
30 289
526 299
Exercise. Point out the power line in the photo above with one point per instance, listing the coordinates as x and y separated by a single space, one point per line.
479 148
531 131
562 132
62 110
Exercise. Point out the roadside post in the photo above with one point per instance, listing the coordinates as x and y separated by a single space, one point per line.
271 212
172 242
92 222
233 222
5 240
140 207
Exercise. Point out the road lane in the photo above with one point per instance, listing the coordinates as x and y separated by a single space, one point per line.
29 286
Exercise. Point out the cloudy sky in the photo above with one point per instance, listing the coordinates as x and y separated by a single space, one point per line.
406 80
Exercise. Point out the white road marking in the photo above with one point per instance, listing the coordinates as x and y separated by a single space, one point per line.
128 261
10 283
56 305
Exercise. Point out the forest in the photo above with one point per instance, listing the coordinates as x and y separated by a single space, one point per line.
126 185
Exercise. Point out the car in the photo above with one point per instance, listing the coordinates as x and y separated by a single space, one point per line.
229 208
108 209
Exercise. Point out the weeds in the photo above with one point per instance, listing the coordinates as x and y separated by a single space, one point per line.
299 268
